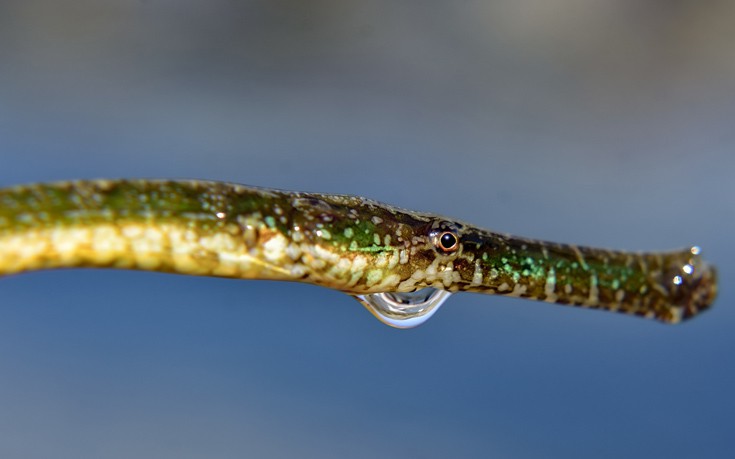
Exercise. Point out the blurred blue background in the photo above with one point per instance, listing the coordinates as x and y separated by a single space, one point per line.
598 123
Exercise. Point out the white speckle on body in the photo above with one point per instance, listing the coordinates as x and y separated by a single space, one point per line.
477 274
275 248
373 277
580 257
324 234
550 287
519 289
594 296
359 263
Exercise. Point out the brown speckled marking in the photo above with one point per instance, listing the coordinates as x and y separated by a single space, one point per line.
347 243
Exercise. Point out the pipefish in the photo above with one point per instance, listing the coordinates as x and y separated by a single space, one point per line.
400 264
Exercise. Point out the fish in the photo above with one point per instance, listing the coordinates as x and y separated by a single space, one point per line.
400 264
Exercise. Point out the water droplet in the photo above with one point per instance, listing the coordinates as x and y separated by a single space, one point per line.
404 310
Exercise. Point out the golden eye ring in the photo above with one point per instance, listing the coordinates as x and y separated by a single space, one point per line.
447 241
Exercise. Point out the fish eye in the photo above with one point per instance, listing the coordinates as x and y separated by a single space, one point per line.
447 241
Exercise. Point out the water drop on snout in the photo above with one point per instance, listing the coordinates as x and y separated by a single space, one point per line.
404 310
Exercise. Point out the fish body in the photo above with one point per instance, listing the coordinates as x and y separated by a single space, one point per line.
348 243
